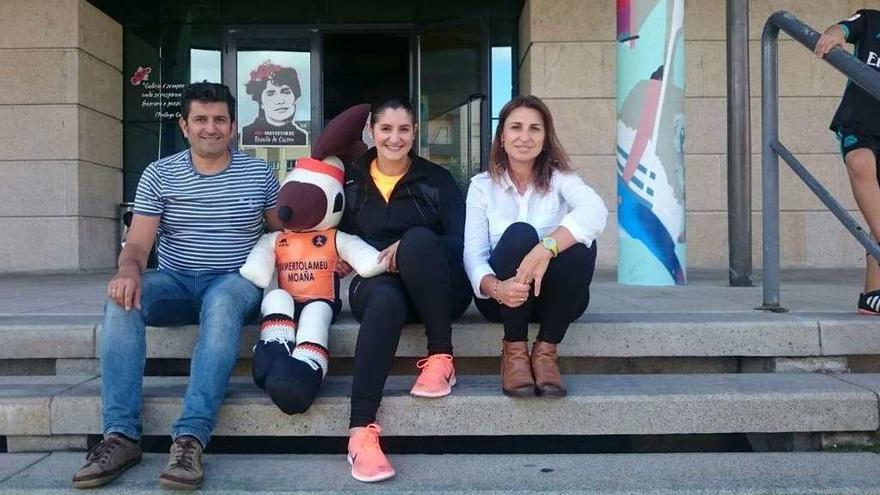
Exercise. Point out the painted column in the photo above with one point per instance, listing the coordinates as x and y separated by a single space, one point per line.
650 142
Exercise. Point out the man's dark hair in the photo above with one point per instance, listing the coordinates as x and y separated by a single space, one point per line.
206 92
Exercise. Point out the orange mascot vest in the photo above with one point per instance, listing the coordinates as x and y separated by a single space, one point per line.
306 264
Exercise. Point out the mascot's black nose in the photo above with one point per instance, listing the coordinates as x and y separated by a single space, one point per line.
284 213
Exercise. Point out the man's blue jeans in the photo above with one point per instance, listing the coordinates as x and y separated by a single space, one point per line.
219 302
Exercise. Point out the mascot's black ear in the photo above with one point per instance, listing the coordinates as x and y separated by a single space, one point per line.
342 136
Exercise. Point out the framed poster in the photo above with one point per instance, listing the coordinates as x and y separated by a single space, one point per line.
274 103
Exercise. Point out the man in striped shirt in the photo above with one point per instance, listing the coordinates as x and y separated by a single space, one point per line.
207 206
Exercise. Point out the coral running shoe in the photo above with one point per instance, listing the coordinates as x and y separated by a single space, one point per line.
437 377
368 463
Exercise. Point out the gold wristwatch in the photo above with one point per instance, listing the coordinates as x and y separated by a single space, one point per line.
550 244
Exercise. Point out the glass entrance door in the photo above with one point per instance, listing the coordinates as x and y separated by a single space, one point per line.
453 106
277 88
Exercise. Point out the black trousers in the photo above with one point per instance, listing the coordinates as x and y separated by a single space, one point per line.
565 288
430 287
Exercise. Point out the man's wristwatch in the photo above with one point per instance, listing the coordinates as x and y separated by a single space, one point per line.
550 244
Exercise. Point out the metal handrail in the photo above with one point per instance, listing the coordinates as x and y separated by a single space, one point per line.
859 73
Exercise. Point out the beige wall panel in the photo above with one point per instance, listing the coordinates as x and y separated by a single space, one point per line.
598 172
586 127
810 239
855 5
606 244
39 132
706 131
829 244
573 70
38 243
100 86
97 243
817 13
100 35
38 188
791 239
59 188
38 76
803 124
706 182
706 239
573 20
704 20
38 23
100 190
801 73
100 138
829 170
706 68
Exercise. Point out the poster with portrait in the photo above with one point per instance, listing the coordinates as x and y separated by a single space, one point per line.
274 104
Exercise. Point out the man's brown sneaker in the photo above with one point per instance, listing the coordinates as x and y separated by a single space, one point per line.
106 460
184 469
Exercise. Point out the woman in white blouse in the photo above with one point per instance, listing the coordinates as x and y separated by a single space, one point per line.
529 244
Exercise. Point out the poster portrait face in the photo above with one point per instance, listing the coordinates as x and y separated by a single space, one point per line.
270 110
278 103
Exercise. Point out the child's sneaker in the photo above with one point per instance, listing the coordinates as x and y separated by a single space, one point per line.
368 463
437 377
869 303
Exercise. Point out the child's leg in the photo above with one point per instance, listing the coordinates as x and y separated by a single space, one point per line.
861 164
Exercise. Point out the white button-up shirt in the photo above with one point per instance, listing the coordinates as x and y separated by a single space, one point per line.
493 206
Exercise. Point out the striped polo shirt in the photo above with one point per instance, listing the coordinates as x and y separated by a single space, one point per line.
209 222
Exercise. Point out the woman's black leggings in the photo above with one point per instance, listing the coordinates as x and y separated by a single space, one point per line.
431 287
565 288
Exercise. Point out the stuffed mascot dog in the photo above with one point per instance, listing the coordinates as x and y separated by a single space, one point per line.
290 359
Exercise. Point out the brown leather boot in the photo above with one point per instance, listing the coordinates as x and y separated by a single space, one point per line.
547 376
516 372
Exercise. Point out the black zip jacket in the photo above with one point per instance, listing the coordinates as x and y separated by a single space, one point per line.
426 196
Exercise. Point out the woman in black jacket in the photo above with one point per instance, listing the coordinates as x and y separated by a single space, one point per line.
413 212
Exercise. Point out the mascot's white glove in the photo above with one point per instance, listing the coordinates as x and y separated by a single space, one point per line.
360 255
260 265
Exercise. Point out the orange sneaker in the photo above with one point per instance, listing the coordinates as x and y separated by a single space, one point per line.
368 463
437 377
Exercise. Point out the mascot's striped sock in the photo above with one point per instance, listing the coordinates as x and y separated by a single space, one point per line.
314 355
279 328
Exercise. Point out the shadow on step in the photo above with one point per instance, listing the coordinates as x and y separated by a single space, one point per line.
540 444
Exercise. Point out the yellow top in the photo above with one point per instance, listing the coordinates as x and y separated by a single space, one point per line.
385 183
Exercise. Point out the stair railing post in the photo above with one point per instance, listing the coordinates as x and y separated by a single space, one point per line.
770 164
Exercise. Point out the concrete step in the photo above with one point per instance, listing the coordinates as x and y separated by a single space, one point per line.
619 335
596 405
618 474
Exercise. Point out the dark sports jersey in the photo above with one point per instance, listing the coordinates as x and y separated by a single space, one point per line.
858 109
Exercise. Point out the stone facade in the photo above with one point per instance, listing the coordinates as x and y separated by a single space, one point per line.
567 57
61 134
61 131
